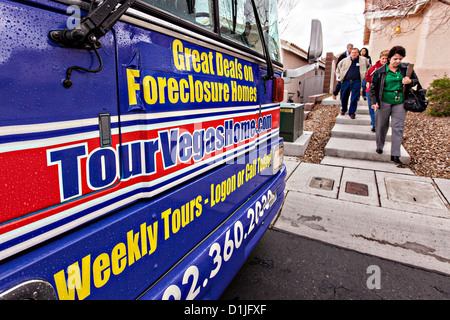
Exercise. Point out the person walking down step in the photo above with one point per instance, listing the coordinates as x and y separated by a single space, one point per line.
377 65
344 55
351 71
387 98
364 52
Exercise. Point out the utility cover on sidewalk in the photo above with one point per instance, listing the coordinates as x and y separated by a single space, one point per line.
321 183
413 192
410 193
359 189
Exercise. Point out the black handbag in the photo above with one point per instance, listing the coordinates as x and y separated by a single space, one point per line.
416 100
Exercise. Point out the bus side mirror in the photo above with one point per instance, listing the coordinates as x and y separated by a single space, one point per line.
314 53
316 42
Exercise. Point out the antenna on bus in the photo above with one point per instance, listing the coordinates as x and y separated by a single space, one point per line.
97 22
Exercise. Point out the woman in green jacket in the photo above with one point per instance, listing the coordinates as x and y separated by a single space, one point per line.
387 98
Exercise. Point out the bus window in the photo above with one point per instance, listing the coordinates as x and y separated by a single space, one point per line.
199 11
272 37
237 22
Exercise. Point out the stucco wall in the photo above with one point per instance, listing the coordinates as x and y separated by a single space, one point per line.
429 52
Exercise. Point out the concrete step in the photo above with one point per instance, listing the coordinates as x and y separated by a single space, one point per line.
360 119
354 131
331 102
337 102
362 109
366 165
361 149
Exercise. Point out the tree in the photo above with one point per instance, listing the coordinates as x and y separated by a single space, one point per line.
406 16
285 13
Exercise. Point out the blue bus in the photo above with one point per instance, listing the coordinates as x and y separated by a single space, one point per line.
139 147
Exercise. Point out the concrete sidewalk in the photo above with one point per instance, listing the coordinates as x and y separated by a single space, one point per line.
383 211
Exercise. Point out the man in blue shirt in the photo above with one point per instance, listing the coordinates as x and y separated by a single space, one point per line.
351 71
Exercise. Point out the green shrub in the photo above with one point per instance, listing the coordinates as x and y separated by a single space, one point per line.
439 96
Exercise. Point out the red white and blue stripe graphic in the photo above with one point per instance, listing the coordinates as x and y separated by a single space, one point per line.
55 176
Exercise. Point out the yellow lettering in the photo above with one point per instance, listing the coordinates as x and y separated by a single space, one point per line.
153 237
207 87
178 57
172 86
198 204
118 258
233 91
187 54
165 215
150 90
219 60
226 92
195 61
143 239
250 170
205 64
162 83
211 62
183 95
239 71
132 85
232 69
134 252
81 281
191 88
213 198
100 270
220 191
198 91
176 221
226 71
220 87
223 190
185 214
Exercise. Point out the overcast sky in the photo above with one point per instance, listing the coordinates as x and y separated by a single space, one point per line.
342 23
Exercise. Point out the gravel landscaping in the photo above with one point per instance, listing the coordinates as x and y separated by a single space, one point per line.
426 139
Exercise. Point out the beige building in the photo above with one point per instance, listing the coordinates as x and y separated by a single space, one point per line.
421 26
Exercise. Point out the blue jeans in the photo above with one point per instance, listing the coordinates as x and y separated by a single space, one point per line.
354 88
371 112
363 86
